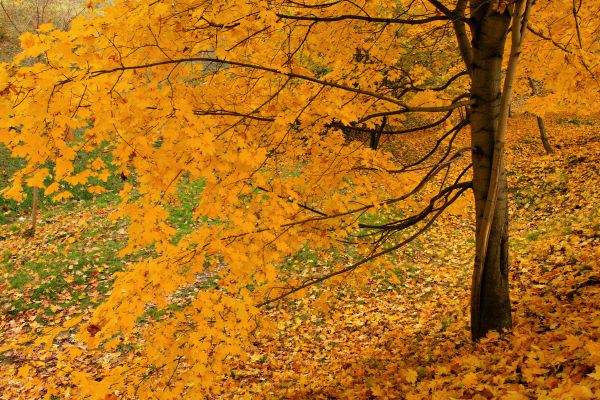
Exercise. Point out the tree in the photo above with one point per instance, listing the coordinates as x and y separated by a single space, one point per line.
16 18
540 122
255 102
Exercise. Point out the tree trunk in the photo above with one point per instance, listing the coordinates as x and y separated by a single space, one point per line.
544 136
34 210
490 303
540 122
376 135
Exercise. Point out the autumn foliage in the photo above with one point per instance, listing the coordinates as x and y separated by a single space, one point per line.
290 277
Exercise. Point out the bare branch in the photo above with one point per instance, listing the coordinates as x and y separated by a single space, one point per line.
440 7
412 220
464 45
323 5
544 37
301 205
339 125
229 113
337 18
412 88
575 11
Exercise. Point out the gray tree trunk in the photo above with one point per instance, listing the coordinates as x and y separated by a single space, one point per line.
544 136
540 122
490 303
34 211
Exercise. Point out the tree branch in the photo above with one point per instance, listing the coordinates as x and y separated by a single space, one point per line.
337 18
229 113
365 260
339 125
464 45
322 82
544 37
412 220
442 8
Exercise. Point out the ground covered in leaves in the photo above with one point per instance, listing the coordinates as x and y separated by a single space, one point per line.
403 336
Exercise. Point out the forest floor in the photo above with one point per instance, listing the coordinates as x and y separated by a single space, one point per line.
404 337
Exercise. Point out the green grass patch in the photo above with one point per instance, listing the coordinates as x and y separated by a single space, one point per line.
181 215
533 235
10 210
71 272
575 121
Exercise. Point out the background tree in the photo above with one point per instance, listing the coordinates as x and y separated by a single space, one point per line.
252 101
17 17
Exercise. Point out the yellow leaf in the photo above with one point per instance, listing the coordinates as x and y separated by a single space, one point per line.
4 78
573 342
378 391
44 28
71 323
97 164
23 372
47 338
79 178
27 40
593 348
37 179
96 189
14 192
596 374
62 195
513 395
581 392
52 188
410 375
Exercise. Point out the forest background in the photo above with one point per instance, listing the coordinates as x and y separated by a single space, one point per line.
395 327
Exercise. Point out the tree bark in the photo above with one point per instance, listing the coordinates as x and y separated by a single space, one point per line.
34 210
540 122
376 135
544 136
490 303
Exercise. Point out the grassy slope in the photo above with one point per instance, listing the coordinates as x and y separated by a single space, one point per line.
404 338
